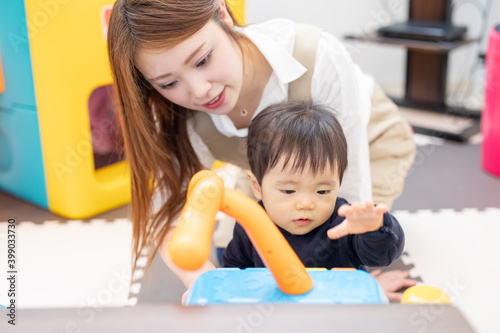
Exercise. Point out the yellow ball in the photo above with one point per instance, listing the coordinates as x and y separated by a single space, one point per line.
425 295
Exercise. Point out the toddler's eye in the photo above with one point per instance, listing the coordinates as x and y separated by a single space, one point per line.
324 192
287 191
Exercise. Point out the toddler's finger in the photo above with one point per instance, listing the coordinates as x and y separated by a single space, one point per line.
355 205
381 209
344 209
369 206
338 231
356 209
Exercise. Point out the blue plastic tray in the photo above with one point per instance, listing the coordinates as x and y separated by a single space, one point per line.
257 285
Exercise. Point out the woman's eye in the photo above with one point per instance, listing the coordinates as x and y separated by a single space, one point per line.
287 191
205 60
168 85
324 192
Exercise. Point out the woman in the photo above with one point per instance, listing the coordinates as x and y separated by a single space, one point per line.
188 83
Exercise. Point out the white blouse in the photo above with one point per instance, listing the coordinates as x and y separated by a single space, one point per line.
337 82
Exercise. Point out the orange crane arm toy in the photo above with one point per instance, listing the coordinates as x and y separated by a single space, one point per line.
190 245
285 280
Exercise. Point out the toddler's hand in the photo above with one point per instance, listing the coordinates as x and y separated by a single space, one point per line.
358 219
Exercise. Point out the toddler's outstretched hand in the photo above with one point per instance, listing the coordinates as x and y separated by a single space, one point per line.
358 219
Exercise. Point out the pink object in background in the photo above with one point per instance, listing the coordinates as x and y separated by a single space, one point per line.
490 121
104 124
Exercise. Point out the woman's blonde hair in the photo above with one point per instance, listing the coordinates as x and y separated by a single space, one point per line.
154 130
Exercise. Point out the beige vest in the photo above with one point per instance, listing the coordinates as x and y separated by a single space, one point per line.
233 149
390 137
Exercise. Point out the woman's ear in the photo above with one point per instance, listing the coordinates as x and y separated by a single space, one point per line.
255 185
224 15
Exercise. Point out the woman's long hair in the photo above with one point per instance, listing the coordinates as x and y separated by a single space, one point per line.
154 130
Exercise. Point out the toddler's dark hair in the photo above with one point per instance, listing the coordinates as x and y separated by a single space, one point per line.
307 131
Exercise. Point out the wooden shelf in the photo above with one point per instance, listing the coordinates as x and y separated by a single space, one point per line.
439 47
452 123
426 85
450 110
426 73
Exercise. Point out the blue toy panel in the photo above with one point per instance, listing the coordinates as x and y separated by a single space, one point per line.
16 58
21 159
257 285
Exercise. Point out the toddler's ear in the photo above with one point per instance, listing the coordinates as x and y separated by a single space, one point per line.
255 185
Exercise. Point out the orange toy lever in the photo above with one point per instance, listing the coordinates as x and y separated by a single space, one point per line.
189 247
190 244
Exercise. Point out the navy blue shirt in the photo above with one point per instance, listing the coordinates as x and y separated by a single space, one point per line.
374 249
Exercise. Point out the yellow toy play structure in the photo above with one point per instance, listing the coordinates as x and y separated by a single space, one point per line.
54 57
53 67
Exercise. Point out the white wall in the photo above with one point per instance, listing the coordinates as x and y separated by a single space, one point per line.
386 63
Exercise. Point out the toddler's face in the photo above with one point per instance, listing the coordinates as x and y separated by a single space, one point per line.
298 201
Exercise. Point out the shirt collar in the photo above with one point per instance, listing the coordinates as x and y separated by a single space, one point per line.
284 65
285 70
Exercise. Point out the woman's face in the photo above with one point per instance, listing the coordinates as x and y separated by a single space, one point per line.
204 72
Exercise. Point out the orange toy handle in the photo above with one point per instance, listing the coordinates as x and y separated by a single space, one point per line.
190 244
189 247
